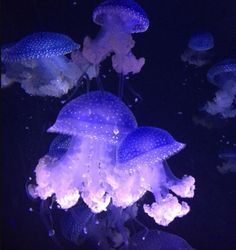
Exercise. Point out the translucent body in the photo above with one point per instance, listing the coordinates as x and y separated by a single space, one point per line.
118 20
39 64
199 48
223 75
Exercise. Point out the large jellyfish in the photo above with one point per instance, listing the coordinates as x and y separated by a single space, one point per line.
118 20
39 64
96 122
199 51
223 75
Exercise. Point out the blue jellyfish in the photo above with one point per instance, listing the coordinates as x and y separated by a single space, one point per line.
39 64
223 75
142 156
118 20
199 49
96 122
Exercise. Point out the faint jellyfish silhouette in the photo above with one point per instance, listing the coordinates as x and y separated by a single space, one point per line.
96 122
118 20
105 230
39 64
142 155
157 240
199 51
228 157
223 75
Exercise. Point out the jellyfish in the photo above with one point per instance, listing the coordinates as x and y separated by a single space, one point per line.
118 19
199 51
223 75
156 240
39 63
228 157
142 162
96 122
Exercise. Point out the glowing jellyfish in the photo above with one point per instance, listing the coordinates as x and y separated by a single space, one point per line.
118 20
142 156
96 122
199 49
39 64
223 75
228 157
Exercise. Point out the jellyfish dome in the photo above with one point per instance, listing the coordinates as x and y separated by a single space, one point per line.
95 122
118 20
222 72
223 75
201 41
141 167
39 64
199 49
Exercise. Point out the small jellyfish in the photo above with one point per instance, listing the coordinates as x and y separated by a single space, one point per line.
39 64
223 75
199 51
228 157
118 20
157 240
142 155
95 122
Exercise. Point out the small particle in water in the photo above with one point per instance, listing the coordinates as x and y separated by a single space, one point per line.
31 209
51 232
179 113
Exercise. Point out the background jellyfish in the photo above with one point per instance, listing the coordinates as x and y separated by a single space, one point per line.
39 64
199 49
118 20
228 157
223 75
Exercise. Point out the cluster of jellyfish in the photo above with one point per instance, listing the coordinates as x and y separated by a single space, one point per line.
222 75
101 163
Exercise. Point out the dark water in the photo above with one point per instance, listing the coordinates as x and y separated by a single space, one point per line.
167 88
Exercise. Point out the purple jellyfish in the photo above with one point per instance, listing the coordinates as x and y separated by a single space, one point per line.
141 162
199 49
118 20
223 75
95 122
39 64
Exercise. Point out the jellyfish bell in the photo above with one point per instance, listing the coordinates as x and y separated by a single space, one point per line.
96 122
39 64
199 51
142 155
222 72
201 41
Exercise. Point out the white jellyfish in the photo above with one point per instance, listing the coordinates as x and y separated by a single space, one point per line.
228 157
199 51
223 75
118 20
39 64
